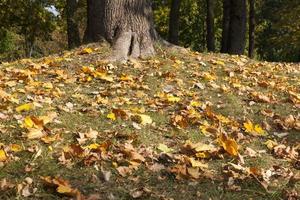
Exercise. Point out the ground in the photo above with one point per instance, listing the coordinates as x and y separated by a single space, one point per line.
175 126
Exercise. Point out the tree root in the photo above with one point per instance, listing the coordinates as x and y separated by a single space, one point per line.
130 45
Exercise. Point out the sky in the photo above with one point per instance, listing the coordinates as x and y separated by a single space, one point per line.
53 10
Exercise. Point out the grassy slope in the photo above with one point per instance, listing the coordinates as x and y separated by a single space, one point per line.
226 84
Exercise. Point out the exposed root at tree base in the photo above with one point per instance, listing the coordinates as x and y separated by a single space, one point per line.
131 45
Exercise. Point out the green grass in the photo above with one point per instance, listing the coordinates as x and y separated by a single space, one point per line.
88 114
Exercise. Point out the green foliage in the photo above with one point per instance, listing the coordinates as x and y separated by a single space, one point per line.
279 33
192 21
26 24
6 40
28 18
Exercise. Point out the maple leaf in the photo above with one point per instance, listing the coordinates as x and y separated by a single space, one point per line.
255 130
63 187
3 156
25 107
111 116
228 144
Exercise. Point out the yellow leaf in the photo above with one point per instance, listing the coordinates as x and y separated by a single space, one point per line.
164 148
196 163
48 85
16 148
87 69
25 107
202 155
254 129
195 103
86 51
172 99
271 144
64 189
50 139
223 119
103 76
248 126
126 78
35 133
228 144
111 116
28 123
142 119
33 122
93 146
259 130
3 156
218 62
209 77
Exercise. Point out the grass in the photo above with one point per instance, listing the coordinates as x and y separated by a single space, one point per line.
227 90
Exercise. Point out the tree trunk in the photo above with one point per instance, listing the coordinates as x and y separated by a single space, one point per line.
94 21
251 28
210 30
174 22
72 26
128 25
237 27
225 26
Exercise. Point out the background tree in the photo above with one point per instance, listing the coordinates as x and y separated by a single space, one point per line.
72 25
251 28
93 25
237 27
225 26
29 19
174 22
279 31
128 25
210 25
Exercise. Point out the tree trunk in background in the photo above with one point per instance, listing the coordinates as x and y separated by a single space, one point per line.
251 28
72 26
225 26
174 22
237 27
94 21
210 30
128 25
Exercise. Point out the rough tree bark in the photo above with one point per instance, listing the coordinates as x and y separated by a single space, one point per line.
225 26
72 26
94 16
237 27
251 28
210 30
128 25
174 22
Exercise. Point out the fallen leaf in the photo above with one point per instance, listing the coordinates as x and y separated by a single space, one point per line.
255 130
25 107
63 187
111 116
86 51
35 133
142 119
3 156
164 148
229 144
